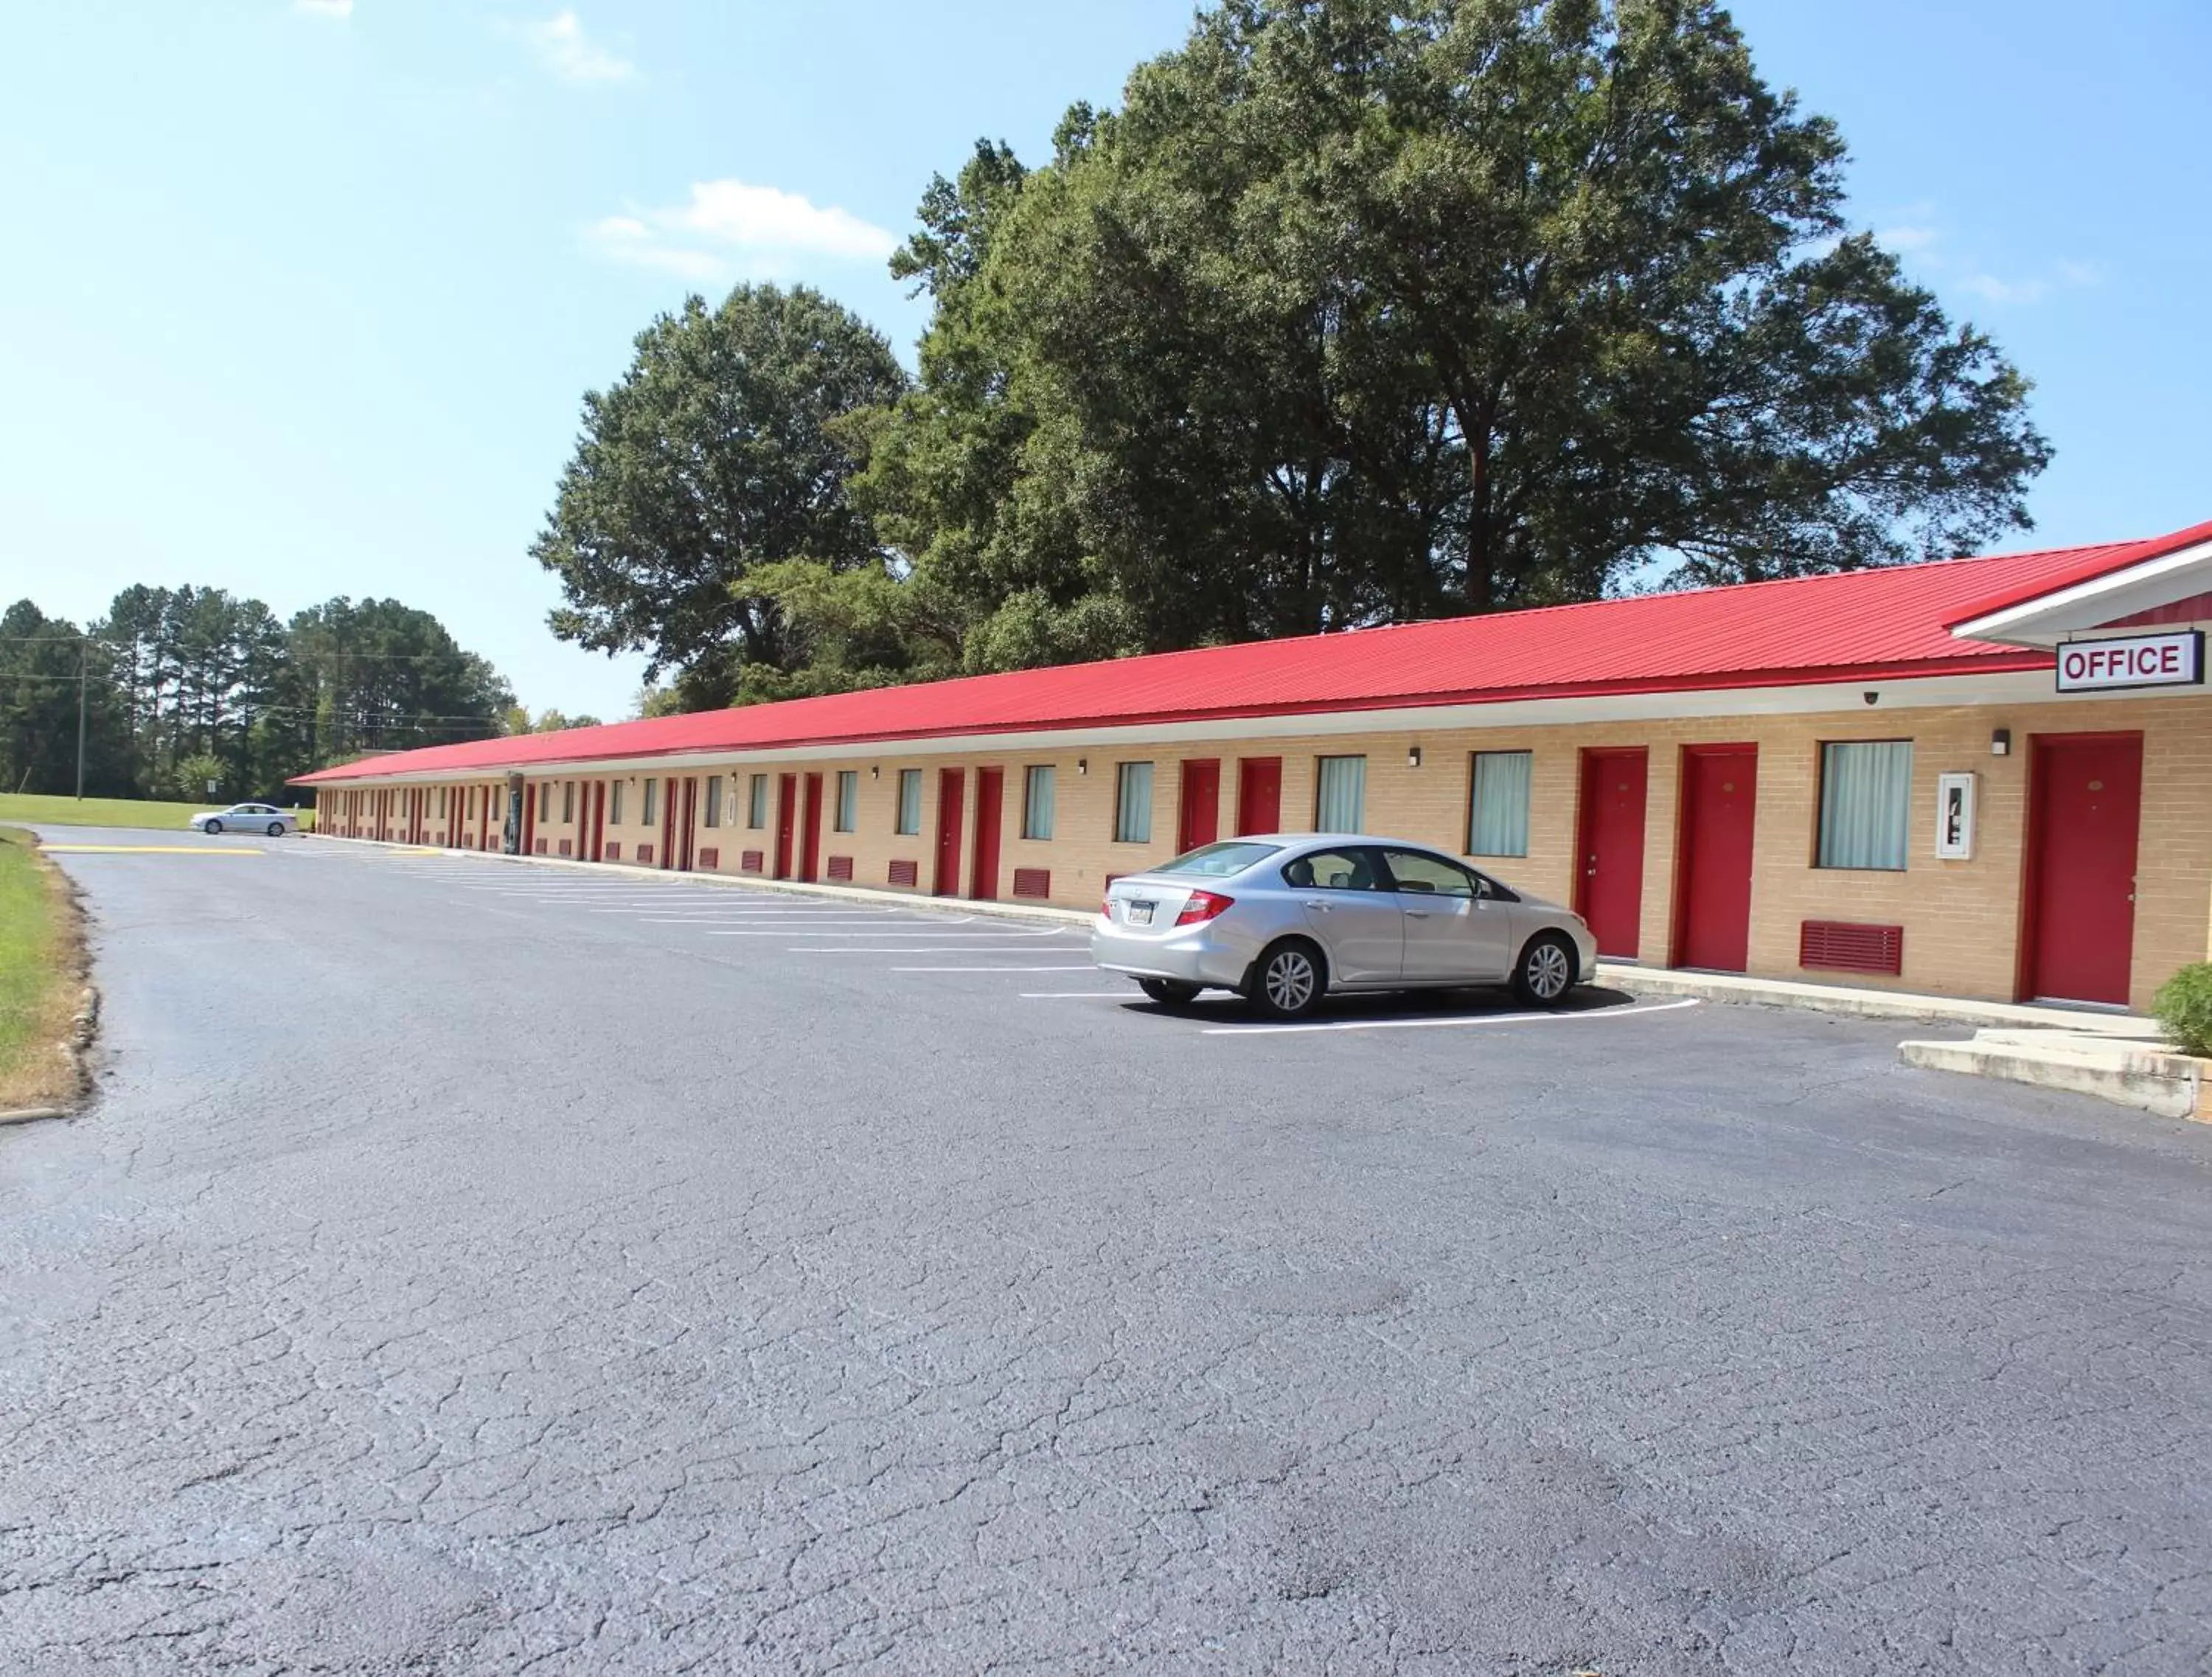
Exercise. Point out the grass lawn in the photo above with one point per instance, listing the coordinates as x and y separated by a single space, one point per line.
114 812
39 961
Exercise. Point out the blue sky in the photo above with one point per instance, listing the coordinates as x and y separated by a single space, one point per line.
300 297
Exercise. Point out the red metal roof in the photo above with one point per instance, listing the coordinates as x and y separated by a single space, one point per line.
1861 625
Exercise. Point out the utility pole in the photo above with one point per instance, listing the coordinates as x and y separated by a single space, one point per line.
83 663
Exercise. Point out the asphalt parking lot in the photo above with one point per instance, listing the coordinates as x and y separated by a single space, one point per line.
477 1266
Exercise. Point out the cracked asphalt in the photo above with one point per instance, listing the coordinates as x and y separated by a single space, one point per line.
467 1269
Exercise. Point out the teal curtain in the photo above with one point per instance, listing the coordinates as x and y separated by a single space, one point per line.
1132 804
1866 803
1497 804
1341 800
1036 803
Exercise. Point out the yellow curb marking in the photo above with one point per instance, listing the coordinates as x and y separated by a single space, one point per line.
145 850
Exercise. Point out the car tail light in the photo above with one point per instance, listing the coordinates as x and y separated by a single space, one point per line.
1106 905
1202 907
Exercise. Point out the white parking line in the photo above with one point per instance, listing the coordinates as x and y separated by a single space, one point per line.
1434 1024
904 951
921 948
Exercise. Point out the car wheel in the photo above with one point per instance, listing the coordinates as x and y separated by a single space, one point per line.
1546 970
276 829
1168 991
1288 980
212 827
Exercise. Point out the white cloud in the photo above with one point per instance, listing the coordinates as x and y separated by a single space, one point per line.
729 227
1919 235
324 8
563 48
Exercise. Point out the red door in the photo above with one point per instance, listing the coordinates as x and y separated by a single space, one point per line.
1200 820
810 855
1713 867
599 820
1259 794
990 800
2085 803
952 810
787 819
688 832
1609 890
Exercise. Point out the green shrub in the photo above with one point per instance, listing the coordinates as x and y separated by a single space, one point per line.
2183 1006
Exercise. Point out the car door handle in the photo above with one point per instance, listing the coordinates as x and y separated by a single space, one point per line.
1317 907
1417 914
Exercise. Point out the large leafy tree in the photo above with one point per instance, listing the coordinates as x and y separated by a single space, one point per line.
1360 309
717 454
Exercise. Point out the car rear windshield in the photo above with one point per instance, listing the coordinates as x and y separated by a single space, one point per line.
1217 861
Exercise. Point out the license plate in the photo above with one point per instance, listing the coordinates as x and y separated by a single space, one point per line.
1141 913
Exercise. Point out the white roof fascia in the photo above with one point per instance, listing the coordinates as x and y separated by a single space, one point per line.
2046 620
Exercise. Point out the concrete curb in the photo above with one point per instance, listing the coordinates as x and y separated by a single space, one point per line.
2171 1085
1866 1003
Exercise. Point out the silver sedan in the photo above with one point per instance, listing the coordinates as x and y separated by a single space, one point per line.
248 818
1284 919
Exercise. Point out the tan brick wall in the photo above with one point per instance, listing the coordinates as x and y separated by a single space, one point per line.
1962 919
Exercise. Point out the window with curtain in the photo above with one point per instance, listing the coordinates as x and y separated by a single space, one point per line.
713 800
1036 802
756 802
848 799
1339 794
613 803
651 800
545 800
1133 804
1497 804
568 800
909 804
1866 803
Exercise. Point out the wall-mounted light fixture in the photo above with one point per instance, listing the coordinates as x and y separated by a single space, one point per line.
1412 757
1871 696
2000 742
1083 765
873 771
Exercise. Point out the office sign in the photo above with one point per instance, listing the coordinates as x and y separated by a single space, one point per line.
2172 658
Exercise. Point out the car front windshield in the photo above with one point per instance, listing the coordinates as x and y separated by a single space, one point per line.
1219 861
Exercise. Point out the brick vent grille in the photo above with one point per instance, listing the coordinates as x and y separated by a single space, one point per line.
565 846
710 859
541 847
1032 882
750 861
841 867
614 850
905 873
1835 945
645 855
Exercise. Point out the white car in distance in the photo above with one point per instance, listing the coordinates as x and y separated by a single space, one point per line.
248 818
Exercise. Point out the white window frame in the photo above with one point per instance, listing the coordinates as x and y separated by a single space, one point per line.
847 814
906 822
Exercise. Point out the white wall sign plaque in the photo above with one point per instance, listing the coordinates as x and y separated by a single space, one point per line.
2174 658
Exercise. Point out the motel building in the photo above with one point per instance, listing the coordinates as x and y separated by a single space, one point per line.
1985 777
